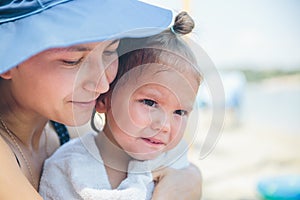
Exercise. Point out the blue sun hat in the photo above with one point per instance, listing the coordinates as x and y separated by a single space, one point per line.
28 27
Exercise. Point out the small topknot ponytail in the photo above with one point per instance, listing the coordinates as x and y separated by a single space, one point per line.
183 24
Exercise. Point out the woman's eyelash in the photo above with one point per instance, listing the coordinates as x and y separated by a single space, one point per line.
109 53
72 62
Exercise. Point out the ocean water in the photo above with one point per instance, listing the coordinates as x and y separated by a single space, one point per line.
274 105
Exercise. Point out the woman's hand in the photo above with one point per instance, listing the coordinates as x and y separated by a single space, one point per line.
178 184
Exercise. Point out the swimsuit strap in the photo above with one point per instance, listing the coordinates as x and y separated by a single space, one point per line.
17 160
61 131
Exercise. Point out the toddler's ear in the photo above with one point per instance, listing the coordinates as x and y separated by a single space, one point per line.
101 106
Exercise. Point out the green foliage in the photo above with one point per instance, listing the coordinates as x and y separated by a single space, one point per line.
260 75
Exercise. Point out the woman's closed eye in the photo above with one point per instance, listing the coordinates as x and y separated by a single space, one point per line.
72 62
148 102
111 50
110 56
110 53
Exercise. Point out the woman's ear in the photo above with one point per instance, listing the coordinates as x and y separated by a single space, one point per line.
101 106
6 75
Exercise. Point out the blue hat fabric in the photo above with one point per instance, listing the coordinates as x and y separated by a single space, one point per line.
27 31
12 10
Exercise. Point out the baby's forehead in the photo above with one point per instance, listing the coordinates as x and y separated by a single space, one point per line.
158 69
164 75
173 62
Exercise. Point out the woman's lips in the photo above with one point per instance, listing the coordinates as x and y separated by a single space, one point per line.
84 104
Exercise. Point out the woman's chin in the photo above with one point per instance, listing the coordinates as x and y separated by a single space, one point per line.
78 121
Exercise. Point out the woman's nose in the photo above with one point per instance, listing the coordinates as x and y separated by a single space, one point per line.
100 85
98 81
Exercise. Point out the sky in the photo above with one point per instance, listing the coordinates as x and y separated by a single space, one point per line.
245 33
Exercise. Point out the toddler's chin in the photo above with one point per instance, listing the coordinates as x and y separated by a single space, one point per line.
144 156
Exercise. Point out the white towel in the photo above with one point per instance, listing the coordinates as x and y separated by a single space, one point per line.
76 171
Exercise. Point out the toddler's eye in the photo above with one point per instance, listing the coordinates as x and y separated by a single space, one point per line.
148 102
180 112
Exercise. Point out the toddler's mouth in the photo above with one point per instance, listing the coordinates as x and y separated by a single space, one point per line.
153 141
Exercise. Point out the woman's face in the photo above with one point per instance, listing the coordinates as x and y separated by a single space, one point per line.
62 84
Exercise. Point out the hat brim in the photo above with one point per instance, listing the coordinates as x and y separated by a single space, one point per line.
75 22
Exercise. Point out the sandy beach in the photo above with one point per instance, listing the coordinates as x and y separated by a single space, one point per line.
265 143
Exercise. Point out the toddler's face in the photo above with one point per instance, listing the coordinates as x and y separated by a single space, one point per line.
150 109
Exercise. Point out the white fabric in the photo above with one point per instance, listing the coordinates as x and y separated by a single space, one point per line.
76 171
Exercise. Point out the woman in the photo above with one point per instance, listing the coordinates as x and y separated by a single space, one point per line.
57 57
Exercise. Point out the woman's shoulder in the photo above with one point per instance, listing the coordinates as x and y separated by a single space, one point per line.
11 176
7 157
6 154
